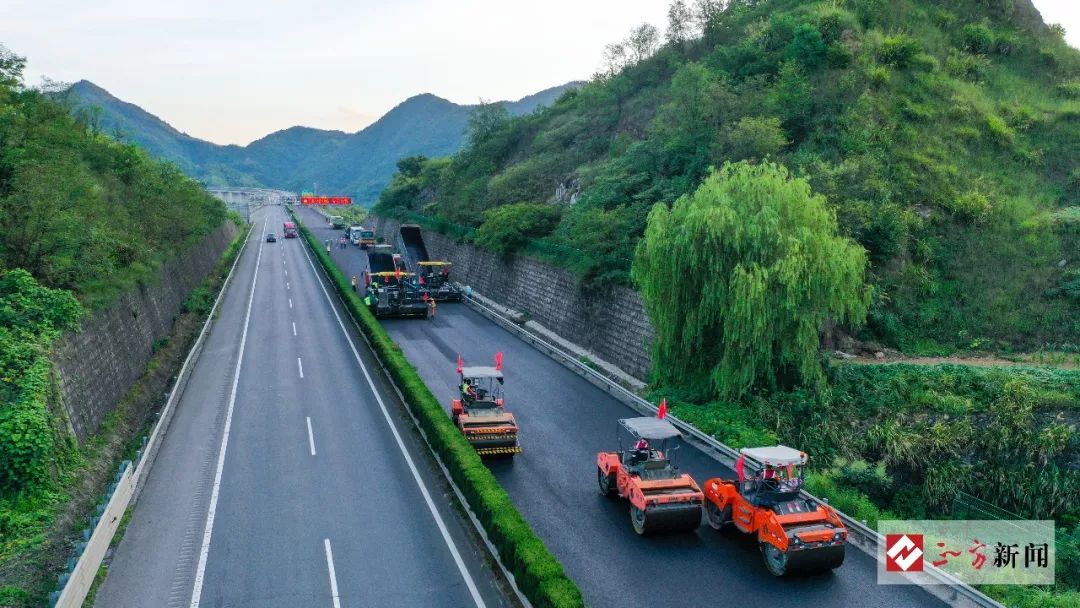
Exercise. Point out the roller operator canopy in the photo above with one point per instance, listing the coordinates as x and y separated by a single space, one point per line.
481 372
651 429
777 455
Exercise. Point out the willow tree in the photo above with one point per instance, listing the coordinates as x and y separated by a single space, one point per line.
739 276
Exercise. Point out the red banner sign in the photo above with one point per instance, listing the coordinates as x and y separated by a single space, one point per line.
325 200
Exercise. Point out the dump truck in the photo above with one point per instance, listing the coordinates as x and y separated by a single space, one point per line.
435 278
336 222
645 472
354 233
795 533
480 411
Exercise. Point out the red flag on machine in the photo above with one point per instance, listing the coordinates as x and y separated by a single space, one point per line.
425 296
498 361
662 412
421 279
397 273
460 364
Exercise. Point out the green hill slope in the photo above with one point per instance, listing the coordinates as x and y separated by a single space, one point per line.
358 163
945 137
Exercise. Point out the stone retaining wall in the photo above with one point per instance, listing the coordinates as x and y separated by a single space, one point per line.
99 364
611 323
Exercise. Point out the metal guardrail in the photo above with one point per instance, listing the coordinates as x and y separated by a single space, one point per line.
939 584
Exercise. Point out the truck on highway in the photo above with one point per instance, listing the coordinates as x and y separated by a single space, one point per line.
361 236
336 222
288 229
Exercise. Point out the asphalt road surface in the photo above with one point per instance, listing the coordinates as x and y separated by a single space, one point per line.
564 422
289 476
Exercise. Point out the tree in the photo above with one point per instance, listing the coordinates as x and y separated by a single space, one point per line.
614 58
486 120
739 278
754 137
410 166
643 42
680 22
707 12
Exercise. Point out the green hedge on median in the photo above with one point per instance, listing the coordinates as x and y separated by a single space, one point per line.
538 574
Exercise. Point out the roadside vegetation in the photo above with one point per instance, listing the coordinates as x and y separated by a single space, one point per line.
85 218
536 571
904 173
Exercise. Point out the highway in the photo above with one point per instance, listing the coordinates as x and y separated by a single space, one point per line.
564 422
291 475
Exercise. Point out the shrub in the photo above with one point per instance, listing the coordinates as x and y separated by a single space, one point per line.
1068 90
755 137
26 438
199 302
977 38
972 204
879 76
966 65
998 130
535 569
509 227
899 50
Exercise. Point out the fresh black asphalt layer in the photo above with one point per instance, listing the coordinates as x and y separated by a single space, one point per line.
564 422
277 501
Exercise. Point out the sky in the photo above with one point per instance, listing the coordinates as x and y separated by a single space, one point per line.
232 71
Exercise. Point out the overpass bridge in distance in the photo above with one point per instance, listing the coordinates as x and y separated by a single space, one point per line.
247 200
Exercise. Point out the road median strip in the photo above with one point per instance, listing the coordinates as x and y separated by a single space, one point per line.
536 571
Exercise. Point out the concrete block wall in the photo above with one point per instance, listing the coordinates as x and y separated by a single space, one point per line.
611 323
99 364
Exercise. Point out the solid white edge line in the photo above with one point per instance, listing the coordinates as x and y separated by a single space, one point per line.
310 436
465 574
300 366
333 575
204 552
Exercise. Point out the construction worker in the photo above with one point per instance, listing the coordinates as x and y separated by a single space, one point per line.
431 307
468 393
641 451
327 245
354 283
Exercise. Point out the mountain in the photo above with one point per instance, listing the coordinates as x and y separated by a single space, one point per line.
943 136
296 158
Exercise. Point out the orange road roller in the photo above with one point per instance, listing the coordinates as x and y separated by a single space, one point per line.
796 534
644 471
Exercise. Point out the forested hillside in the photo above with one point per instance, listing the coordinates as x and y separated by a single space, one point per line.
943 135
359 164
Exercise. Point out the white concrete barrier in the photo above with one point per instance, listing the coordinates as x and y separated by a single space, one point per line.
82 577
